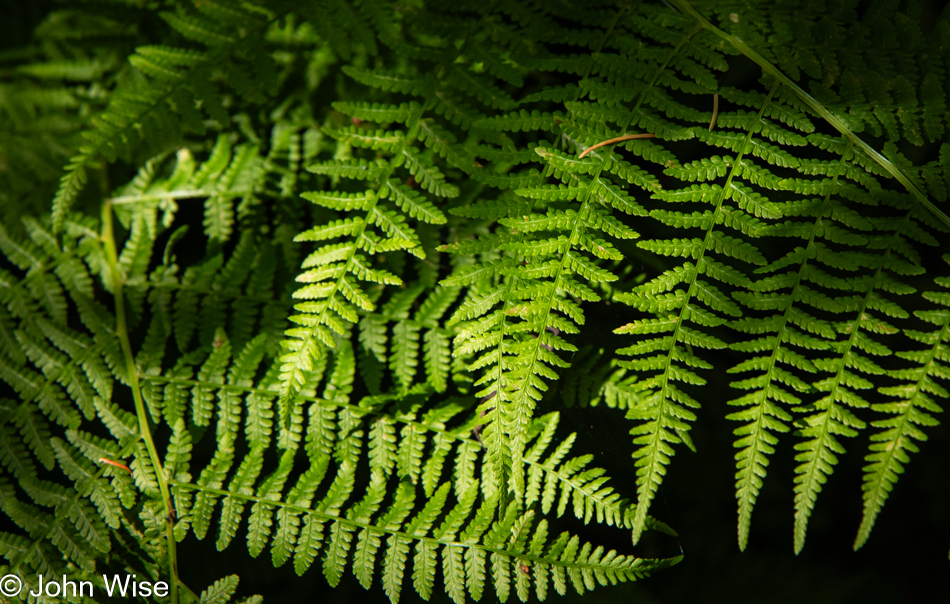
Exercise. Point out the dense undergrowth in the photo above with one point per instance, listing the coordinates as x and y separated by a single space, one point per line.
323 276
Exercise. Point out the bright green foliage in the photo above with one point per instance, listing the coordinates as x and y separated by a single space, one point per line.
374 227
366 251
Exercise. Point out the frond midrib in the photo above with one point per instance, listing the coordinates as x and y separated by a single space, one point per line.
616 509
409 536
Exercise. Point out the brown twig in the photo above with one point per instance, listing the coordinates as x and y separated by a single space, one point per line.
116 464
712 122
625 137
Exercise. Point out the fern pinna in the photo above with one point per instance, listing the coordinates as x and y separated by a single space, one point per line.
367 252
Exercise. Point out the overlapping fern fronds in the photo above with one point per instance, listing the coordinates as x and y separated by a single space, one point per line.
403 443
406 442
367 251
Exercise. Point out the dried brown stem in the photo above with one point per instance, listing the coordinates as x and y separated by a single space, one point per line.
625 137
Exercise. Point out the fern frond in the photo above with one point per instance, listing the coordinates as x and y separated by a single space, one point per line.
388 534
538 267
335 282
143 105
891 445
453 202
666 410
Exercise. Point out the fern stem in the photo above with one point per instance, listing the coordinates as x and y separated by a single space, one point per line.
513 405
498 438
122 331
183 194
873 500
712 122
293 368
815 106
644 494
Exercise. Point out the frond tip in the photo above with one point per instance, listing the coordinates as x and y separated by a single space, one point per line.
914 410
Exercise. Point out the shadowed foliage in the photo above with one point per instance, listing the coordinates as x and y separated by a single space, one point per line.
323 276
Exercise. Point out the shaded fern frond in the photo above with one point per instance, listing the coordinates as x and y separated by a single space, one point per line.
152 106
893 443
